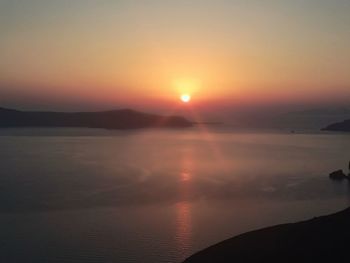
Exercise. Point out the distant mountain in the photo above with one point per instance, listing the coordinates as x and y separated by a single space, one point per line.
338 126
313 119
114 119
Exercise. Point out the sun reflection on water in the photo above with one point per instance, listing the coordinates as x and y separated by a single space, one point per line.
183 228
185 176
183 234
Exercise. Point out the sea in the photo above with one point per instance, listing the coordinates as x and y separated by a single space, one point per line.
157 195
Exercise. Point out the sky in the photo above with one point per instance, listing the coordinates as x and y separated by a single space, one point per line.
86 54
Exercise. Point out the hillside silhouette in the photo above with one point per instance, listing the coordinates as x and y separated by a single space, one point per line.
343 126
322 239
114 119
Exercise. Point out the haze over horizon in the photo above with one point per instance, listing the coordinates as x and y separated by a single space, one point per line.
229 55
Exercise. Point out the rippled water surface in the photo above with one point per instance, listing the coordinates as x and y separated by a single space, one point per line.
157 195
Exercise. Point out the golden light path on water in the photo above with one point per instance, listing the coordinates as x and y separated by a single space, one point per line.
184 232
183 235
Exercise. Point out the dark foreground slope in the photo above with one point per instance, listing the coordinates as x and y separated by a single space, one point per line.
339 126
323 239
117 119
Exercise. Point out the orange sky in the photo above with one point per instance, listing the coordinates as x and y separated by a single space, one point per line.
138 53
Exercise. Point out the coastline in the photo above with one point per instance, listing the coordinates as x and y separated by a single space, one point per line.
321 239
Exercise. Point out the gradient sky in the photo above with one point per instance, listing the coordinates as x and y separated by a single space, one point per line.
108 52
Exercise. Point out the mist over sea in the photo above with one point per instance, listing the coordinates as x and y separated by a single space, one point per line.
157 196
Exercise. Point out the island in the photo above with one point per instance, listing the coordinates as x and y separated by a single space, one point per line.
343 126
322 239
114 119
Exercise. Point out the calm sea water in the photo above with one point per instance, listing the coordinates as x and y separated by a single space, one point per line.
156 196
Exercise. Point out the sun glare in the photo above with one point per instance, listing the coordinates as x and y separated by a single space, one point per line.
185 98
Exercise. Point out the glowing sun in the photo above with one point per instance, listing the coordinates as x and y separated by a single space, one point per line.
185 98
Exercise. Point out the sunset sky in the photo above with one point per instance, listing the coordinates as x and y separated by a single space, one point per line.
68 54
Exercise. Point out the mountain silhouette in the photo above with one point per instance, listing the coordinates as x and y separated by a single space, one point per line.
114 119
339 126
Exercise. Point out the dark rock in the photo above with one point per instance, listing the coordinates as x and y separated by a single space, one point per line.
337 175
322 239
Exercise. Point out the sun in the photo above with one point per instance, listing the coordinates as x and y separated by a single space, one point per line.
185 98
